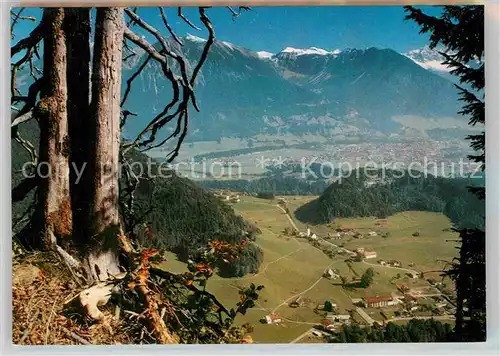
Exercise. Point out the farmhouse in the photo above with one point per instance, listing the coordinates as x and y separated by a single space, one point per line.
394 263
379 301
273 318
370 254
329 273
413 275
360 251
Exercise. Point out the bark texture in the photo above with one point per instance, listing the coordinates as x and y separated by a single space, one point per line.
104 144
55 206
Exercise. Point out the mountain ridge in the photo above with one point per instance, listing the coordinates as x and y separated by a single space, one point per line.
242 93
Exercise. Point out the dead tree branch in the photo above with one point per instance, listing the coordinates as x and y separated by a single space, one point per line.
183 84
186 20
33 38
168 27
238 13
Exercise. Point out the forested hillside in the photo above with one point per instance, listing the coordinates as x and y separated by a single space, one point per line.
357 195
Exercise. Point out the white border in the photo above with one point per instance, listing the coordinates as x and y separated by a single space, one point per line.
492 346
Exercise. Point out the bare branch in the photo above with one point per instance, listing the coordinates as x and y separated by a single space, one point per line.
131 22
240 8
145 45
163 43
211 37
15 68
16 17
179 12
183 83
33 38
131 79
169 28
126 114
21 119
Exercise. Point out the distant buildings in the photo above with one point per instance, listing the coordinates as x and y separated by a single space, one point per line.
330 274
273 318
338 317
379 301
360 251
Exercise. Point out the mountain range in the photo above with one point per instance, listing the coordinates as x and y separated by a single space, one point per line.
349 92
358 94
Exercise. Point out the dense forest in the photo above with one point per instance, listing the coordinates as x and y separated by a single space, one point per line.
276 184
415 331
183 218
358 195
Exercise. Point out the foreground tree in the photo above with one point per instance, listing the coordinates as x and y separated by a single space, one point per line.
459 34
80 157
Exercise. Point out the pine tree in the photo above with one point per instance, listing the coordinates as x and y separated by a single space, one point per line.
459 32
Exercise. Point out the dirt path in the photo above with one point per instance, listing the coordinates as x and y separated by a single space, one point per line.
274 261
304 291
398 268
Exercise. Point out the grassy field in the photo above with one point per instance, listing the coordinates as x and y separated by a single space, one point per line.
293 267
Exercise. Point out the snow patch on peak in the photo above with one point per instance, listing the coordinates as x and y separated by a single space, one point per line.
228 44
194 38
264 54
311 50
428 59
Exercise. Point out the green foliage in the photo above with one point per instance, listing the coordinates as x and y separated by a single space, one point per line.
328 307
415 331
367 278
196 315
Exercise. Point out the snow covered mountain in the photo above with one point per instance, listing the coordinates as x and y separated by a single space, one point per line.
318 91
428 59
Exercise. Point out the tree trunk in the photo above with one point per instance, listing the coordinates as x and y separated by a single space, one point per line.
53 198
103 145
77 28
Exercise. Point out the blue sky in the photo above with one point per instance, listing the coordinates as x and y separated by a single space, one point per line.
274 28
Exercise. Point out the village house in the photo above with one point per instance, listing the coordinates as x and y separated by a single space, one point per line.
381 262
379 301
360 251
414 275
394 263
370 254
314 237
372 233
273 318
329 273
339 318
